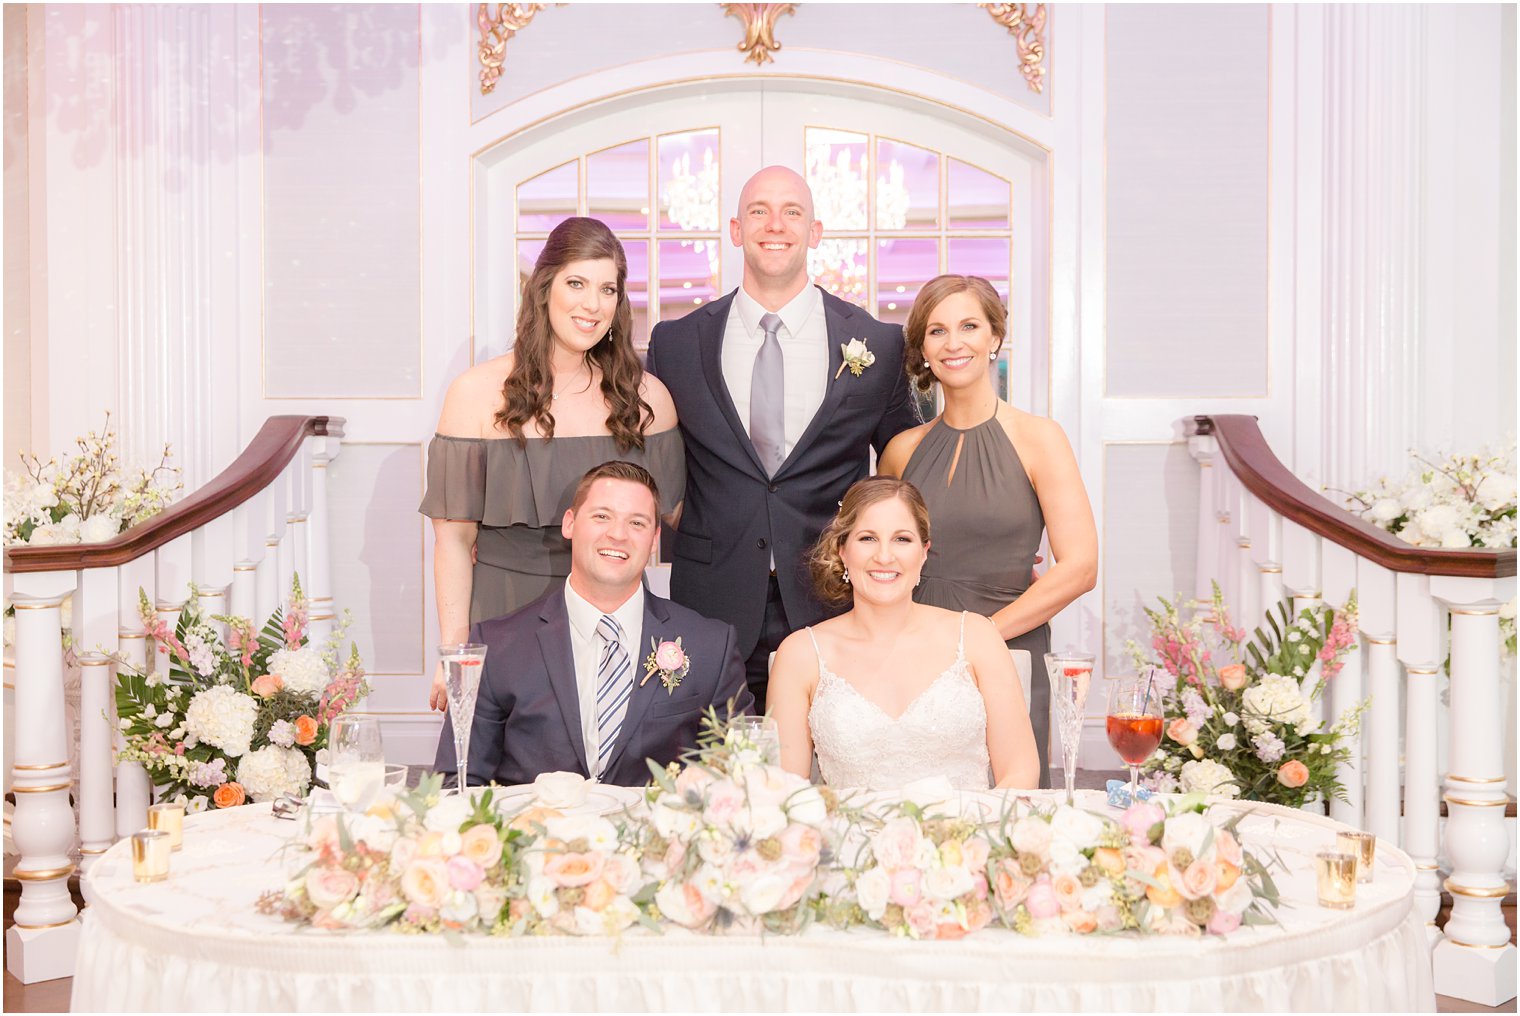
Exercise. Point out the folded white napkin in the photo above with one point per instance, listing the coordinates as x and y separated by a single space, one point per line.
560 790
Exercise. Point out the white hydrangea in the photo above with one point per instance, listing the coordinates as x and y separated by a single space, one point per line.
1275 699
222 717
1205 776
272 771
99 528
302 670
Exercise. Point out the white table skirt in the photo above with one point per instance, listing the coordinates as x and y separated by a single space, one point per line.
195 943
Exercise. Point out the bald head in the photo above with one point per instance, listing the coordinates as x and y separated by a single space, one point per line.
775 226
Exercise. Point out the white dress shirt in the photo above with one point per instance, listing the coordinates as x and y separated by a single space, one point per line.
804 338
586 648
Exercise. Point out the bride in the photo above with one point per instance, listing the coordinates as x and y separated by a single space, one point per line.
893 691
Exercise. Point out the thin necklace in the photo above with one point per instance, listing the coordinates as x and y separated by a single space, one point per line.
554 397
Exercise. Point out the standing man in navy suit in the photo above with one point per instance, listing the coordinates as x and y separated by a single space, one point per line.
777 422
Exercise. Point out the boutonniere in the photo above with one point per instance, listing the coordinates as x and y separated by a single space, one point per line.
668 660
856 357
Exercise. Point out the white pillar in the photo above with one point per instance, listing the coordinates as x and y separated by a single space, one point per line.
1203 448
319 538
41 944
1380 724
97 735
1346 690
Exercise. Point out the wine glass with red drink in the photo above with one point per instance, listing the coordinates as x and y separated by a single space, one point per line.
1134 722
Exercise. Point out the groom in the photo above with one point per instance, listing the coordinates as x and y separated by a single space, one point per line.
777 423
568 685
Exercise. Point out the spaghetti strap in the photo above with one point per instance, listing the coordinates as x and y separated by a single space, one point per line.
816 651
960 650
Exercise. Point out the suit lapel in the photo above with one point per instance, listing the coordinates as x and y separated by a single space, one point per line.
656 618
836 313
711 326
559 662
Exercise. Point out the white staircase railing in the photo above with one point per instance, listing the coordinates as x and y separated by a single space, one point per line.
239 539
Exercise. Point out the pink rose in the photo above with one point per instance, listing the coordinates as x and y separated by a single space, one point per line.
1293 774
1041 900
425 883
1139 818
920 918
1068 891
464 873
974 854
569 870
1009 884
1109 918
1233 676
896 843
800 845
1181 731
669 656
1223 922
907 887
1198 880
726 801
267 685
327 887
1227 848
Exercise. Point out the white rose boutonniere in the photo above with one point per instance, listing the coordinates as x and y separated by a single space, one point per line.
856 357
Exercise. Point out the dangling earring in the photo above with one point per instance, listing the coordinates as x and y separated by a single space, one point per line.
847 578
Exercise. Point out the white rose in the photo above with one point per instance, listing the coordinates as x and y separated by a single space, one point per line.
459 907
1385 509
671 899
760 893
449 814
674 822
99 529
1226 742
1496 491
1031 836
542 899
1452 539
760 821
948 883
872 890
807 807
1236 898
1079 827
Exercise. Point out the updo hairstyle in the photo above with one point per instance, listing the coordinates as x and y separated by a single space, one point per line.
825 562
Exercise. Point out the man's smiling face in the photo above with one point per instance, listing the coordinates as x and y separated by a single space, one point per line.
612 534
775 227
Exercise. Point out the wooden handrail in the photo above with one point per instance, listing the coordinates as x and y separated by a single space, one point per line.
267 454
1259 470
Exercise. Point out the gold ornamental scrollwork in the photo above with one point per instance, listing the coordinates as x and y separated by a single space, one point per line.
1026 23
495 30
759 29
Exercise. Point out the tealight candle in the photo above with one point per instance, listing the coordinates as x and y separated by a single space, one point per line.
1362 846
169 818
150 855
1336 873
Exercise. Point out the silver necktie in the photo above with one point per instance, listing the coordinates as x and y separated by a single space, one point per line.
767 399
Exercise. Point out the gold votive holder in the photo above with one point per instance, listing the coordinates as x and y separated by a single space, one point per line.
150 855
1362 846
169 818
1335 872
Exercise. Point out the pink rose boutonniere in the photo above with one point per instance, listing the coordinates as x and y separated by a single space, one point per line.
668 660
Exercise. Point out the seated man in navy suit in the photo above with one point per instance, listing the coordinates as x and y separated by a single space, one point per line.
571 681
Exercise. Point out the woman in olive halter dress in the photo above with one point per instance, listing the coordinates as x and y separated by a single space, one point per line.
994 479
518 432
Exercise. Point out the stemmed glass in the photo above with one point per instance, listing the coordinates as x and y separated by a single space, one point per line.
355 760
463 663
1070 677
1134 721
760 734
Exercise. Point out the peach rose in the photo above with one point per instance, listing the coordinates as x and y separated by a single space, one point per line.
267 685
1198 880
229 795
1227 847
570 869
1068 891
598 895
1228 873
1233 676
1293 774
481 844
974 853
1010 885
1181 731
1162 894
425 882
1109 860
306 730
327 887
1080 921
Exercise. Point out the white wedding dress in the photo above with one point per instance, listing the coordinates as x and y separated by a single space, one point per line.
942 733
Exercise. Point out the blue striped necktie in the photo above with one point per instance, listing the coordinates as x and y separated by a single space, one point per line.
614 680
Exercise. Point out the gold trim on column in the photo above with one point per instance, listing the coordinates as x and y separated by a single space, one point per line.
1468 802
43 874
1243 542
93 850
1474 779
322 617
1473 613
34 767
1427 867
1474 945
1026 23
1273 569
759 22
1379 640
44 927
1204 464
41 790
38 606
1422 672
1477 892
245 567
495 32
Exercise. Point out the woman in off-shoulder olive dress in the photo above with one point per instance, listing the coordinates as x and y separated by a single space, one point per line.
994 478
517 433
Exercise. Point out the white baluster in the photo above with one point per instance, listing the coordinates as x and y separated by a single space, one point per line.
248 550
132 789
1475 960
211 549
1247 580
319 540
1266 554
97 733
1421 647
171 565
1380 724
41 944
1340 574
1203 449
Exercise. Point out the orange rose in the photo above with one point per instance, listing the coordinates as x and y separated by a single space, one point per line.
1080 921
229 795
598 895
267 685
306 730
1162 894
1181 731
1233 677
1109 860
1228 873
1293 774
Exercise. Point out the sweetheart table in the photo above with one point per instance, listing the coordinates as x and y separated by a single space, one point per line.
196 943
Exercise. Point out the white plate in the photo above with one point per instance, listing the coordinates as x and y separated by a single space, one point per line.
601 799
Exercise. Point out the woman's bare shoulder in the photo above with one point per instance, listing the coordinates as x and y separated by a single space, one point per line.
894 458
469 407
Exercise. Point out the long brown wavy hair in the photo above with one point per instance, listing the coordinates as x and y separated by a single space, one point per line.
825 562
935 291
528 391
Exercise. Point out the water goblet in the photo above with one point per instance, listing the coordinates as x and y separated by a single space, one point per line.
1134 722
463 663
355 760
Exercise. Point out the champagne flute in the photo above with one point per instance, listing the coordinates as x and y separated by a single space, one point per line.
1070 676
1134 722
356 760
463 663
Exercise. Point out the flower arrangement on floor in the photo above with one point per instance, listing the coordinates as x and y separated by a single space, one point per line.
86 498
1241 716
237 718
727 844
1457 501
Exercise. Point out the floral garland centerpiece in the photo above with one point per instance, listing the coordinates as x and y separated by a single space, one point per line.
1249 727
86 498
236 718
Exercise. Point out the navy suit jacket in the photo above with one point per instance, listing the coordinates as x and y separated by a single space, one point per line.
528 714
735 516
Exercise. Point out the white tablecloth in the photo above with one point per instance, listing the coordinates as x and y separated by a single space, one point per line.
196 943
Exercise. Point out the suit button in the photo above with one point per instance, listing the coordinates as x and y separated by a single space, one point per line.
761 544
772 488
